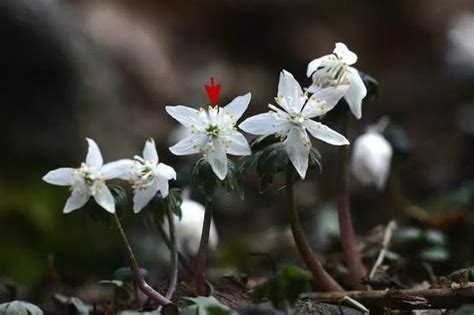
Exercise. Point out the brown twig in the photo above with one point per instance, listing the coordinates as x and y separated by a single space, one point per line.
400 299
199 276
387 236
320 276
351 253
155 296
174 255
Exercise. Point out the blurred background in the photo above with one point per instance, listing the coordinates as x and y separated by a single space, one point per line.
105 69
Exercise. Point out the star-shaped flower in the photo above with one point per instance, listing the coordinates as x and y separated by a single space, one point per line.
293 118
148 176
213 132
88 180
334 70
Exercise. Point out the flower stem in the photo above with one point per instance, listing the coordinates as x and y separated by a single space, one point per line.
174 255
155 296
351 254
200 278
320 276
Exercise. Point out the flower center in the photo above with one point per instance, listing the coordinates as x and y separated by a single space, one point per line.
91 177
146 174
212 131
332 72
297 119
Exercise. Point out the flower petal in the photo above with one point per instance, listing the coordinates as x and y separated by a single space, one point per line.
163 186
94 157
265 124
104 198
63 176
190 145
149 151
324 133
291 90
357 91
342 52
297 146
166 171
237 106
79 197
237 144
143 197
314 65
323 100
187 116
122 169
217 158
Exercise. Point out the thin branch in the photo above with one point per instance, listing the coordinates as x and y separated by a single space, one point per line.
400 299
351 253
174 255
387 236
155 296
200 277
320 276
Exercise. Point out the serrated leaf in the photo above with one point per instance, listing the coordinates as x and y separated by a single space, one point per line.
19 308
205 305
350 302
286 285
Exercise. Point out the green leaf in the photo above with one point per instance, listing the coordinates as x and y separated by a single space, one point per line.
205 305
464 310
139 313
81 308
286 285
203 177
19 308
435 254
350 302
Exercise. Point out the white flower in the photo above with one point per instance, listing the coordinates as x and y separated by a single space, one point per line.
292 119
88 180
371 158
334 70
213 132
147 176
189 228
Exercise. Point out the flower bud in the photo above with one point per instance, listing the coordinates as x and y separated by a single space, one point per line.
371 158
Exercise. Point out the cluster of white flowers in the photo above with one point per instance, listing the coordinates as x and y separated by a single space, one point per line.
146 175
213 133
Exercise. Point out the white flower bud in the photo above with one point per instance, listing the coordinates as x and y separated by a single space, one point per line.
189 228
371 158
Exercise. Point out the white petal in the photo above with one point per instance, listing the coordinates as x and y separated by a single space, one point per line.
104 198
237 144
94 157
79 197
265 124
149 151
237 106
166 171
371 158
163 186
328 98
325 133
218 159
345 54
314 65
63 176
356 92
119 169
190 145
298 145
291 90
143 197
187 116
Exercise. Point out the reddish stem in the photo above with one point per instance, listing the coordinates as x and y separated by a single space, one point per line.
320 276
200 277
